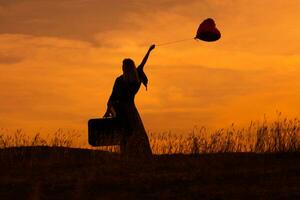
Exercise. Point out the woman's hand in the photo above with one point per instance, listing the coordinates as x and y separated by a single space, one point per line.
152 47
107 114
110 112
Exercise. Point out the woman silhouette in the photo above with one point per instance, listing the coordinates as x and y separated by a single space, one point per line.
121 105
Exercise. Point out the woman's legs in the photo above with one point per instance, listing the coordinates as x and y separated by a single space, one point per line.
135 142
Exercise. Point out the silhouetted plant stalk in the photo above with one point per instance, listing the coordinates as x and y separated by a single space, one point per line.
19 138
280 135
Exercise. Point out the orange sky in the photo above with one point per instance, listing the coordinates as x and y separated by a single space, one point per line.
59 59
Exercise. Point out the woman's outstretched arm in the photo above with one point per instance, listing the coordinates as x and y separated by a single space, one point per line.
141 66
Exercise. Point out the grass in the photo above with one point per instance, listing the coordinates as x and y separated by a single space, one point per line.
70 173
281 135
261 161
277 136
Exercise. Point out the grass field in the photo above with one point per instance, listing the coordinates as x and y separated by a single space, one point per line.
261 161
276 136
69 173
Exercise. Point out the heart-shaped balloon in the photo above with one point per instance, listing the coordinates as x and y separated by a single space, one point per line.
208 31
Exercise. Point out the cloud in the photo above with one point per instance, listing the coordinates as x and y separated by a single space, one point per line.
9 59
76 19
244 25
66 55
202 95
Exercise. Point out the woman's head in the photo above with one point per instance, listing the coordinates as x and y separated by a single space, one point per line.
129 71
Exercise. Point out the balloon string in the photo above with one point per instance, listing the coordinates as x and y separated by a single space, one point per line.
173 42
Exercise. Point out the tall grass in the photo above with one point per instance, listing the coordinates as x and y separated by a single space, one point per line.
280 135
19 138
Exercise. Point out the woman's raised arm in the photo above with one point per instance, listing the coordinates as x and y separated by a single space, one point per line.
141 66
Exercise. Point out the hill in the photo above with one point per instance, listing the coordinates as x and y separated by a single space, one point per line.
69 173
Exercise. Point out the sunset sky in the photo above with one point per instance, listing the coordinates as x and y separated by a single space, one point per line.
59 60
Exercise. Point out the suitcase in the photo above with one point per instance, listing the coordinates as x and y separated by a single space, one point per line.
104 132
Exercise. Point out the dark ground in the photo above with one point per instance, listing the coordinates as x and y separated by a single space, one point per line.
64 173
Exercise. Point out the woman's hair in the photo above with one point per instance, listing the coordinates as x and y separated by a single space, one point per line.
130 73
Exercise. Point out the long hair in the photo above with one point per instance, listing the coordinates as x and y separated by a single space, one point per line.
130 73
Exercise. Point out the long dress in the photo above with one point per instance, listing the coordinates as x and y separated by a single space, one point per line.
134 142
